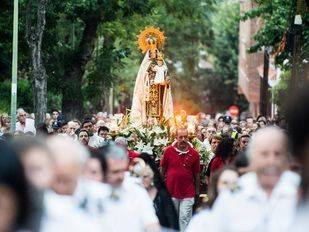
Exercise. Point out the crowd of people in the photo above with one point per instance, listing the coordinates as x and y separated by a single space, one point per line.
76 176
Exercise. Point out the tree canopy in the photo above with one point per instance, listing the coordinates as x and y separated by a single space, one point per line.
90 46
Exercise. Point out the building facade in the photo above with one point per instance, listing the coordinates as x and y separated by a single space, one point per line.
248 63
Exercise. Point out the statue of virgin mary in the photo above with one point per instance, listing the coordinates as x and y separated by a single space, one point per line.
152 97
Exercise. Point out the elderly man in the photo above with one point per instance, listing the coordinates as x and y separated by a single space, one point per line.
267 197
180 165
24 124
127 201
72 127
122 142
71 199
83 137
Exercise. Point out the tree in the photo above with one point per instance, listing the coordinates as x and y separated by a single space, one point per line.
90 14
277 29
278 32
34 36
222 84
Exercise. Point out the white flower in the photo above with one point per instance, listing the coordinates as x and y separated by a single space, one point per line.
164 141
148 149
157 142
126 131
142 131
139 146
160 142
157 130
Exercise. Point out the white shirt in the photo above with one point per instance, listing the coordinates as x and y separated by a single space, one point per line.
79 212
200 222
250 209
128 209
29 126
96 141
301 223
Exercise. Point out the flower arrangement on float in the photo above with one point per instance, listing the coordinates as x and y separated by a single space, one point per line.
155 136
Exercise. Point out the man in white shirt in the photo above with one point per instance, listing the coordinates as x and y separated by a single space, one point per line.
267 198
71 203
24 124
128 207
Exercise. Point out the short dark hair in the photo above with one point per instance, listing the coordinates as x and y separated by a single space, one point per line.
103 128
261 116
249 117
86 121
82 130
63 123
244 136
55 110
97 154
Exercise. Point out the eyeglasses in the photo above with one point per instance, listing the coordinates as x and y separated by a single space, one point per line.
22 115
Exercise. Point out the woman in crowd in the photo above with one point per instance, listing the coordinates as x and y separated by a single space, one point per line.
15 204
36 160
223 179
157 191
4 124
94 167
224 155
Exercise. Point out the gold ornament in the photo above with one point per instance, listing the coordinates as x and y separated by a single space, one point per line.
160 56
151 38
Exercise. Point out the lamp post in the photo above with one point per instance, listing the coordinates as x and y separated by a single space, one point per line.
14 68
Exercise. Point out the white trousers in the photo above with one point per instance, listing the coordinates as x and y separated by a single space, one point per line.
184 208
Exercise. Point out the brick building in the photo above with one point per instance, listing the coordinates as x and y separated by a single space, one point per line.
248 63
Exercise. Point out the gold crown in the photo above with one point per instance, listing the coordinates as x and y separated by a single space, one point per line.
151 38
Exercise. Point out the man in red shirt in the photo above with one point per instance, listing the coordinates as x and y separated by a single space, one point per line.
180 165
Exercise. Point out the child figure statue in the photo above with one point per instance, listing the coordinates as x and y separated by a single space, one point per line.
161 71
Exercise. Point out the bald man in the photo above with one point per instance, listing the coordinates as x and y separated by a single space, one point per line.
71 198
180 165
267 198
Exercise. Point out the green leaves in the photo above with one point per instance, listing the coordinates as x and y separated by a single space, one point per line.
276 16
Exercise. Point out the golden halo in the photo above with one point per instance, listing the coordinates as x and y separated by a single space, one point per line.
148 33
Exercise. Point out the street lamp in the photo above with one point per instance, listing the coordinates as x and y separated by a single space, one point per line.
14 67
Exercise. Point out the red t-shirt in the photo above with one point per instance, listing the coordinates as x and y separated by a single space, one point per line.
180 171
215 165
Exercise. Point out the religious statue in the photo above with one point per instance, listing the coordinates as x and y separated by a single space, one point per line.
152 98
